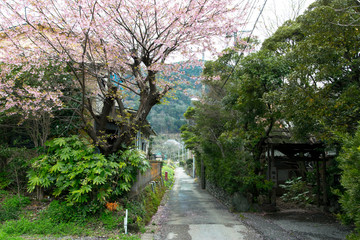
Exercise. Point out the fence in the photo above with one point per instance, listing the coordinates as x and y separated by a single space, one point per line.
143 179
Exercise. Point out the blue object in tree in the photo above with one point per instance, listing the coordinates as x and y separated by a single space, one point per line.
116 79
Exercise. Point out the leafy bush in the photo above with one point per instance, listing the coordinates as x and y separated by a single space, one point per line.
61 212
297 191
60 219
13 166
72 168
10 207
5 179
189 162
235 171
349 162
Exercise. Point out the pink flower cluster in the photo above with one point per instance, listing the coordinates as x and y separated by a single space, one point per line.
97 36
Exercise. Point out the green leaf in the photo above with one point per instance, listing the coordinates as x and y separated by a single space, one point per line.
125 186
99 180
59 141
86 188
35 181
57 167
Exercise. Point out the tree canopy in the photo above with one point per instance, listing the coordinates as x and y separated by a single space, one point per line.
112 49
304 81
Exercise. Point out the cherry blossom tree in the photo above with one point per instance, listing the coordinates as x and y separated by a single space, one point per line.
112 48
33 96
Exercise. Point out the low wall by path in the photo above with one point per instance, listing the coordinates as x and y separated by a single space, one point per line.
219 194
142 179
236 201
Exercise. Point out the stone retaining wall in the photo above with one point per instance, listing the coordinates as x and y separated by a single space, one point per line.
219 194
236 201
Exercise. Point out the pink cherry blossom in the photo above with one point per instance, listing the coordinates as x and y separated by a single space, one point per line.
98 39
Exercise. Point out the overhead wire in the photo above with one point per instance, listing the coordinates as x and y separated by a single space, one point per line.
252 9
247 43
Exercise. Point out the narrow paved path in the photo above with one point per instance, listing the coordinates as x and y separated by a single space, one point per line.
195 215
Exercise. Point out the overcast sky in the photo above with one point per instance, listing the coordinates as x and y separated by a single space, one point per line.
275 13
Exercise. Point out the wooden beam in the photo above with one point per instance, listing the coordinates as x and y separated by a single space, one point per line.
318 183
325 196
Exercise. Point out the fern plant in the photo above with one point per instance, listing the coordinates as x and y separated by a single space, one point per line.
72 168
297 191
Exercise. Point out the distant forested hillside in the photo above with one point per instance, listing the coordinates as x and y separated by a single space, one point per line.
168 117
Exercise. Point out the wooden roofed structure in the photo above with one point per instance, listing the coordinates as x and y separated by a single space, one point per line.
287 159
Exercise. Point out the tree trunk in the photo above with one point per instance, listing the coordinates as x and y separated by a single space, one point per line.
128 122
39 193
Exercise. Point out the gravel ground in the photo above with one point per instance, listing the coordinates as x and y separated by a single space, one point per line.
297 225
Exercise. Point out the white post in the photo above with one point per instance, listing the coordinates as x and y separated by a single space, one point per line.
126 221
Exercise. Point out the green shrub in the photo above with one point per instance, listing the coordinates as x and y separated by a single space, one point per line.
10 207
152 202
189 162
297 191
14 163
61 212
72 169
349 162
61 219
144 206
353 236
5 179
234 172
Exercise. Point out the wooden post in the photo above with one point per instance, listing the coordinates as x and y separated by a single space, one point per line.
273 177
267 157
318 182
325 197
268 160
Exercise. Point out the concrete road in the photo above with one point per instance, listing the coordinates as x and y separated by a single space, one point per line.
195 215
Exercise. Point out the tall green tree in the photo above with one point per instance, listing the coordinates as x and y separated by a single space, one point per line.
321 96
231 119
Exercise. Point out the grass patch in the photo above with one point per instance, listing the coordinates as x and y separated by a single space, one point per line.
41 227
126 237
144 206
11 205
56 219
171 172
5 236
21 218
